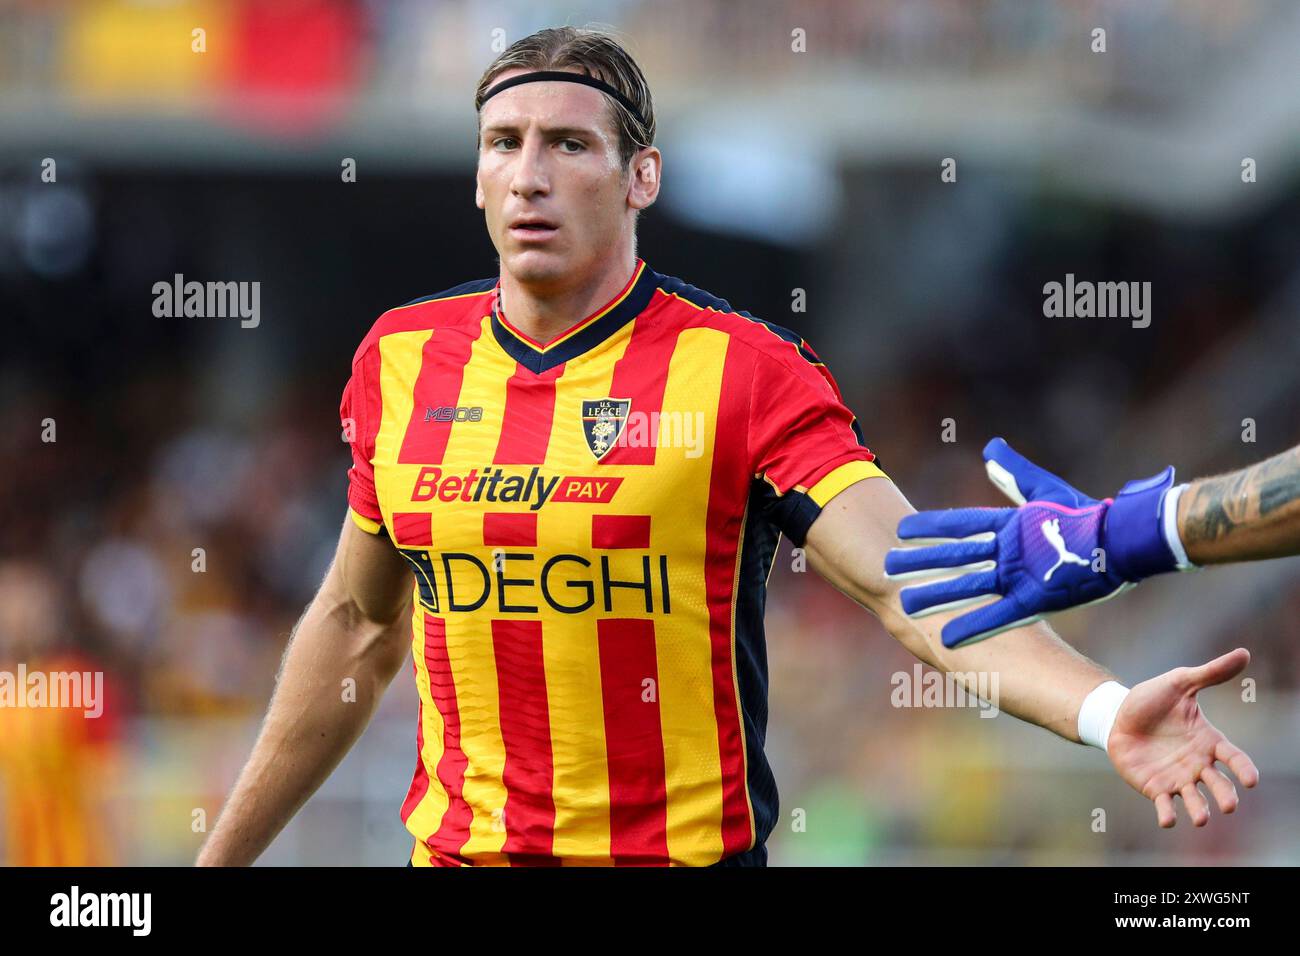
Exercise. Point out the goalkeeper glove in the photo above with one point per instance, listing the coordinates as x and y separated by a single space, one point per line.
1059 549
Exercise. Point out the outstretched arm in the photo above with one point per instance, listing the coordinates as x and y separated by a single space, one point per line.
1155 735
1041 678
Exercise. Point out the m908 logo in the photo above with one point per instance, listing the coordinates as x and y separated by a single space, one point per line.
454 413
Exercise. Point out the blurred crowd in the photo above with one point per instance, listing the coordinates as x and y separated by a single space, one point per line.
407 50
174 559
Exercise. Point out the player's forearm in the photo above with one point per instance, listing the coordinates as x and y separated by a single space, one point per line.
1040 678
1037 676
1243 516
313 720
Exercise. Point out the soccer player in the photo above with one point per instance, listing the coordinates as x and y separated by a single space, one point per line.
586 466
1097 548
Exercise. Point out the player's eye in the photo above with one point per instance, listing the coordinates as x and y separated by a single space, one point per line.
504 142
578 145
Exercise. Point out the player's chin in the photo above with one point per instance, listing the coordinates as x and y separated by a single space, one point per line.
537 263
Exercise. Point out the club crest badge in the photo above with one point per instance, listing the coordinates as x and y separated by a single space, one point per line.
602 422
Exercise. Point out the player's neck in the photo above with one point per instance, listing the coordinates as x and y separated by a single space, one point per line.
542 313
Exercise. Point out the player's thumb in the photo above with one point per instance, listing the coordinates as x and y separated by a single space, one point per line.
1219 670
1021 480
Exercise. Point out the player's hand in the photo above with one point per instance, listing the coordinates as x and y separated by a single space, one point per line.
1162 745
1059 549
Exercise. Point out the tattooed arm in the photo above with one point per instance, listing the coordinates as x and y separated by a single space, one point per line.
1243 516
1047 555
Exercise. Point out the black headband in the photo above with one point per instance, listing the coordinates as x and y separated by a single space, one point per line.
565 76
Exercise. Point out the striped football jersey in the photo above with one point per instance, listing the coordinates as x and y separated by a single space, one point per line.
591 524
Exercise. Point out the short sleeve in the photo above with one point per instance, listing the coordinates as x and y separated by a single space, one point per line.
359 414
805 444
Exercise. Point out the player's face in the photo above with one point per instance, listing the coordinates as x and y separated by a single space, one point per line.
550 181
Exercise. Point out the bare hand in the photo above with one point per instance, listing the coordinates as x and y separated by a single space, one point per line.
1162 745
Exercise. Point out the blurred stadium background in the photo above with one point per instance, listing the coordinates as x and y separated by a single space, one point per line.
784 170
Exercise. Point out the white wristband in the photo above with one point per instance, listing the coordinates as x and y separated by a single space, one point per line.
1169 523
1097 713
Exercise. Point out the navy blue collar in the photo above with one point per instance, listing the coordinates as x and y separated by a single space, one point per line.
583 336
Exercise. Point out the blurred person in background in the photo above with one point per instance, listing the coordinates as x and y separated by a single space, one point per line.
56 762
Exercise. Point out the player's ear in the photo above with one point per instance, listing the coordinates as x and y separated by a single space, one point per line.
643 187
478 193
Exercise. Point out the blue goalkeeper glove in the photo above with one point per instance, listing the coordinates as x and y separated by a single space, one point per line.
1059 549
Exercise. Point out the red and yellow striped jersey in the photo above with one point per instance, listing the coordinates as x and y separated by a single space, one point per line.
591 524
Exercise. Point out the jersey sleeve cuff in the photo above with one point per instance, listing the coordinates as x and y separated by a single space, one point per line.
796 510
364 523
839 478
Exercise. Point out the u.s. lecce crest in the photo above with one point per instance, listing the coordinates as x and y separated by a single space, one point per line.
602 422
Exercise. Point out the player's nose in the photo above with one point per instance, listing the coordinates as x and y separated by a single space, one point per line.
529 176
